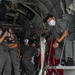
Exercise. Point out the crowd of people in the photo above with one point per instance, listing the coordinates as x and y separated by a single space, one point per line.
17 59
13 57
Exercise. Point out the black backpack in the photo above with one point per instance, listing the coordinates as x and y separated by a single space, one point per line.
70 62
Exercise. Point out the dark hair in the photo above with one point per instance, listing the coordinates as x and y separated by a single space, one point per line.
48 15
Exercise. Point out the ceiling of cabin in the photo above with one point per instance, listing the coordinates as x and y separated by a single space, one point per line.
27 15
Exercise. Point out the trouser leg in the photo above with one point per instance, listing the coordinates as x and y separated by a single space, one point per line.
2 61
15 62
29 66
7 68
58 52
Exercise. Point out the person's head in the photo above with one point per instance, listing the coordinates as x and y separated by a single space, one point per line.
10 30
50 19
11 33
32 43
26 41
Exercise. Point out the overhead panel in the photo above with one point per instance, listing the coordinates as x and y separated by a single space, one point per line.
28 13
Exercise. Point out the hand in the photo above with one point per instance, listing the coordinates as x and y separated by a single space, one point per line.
5 33
55 45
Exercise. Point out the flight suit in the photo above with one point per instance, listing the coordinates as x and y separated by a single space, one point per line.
59 28
27 63
13 52
24 48
5 62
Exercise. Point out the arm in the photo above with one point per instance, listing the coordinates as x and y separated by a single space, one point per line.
13 45
65 34
56 43
4 35
10 45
